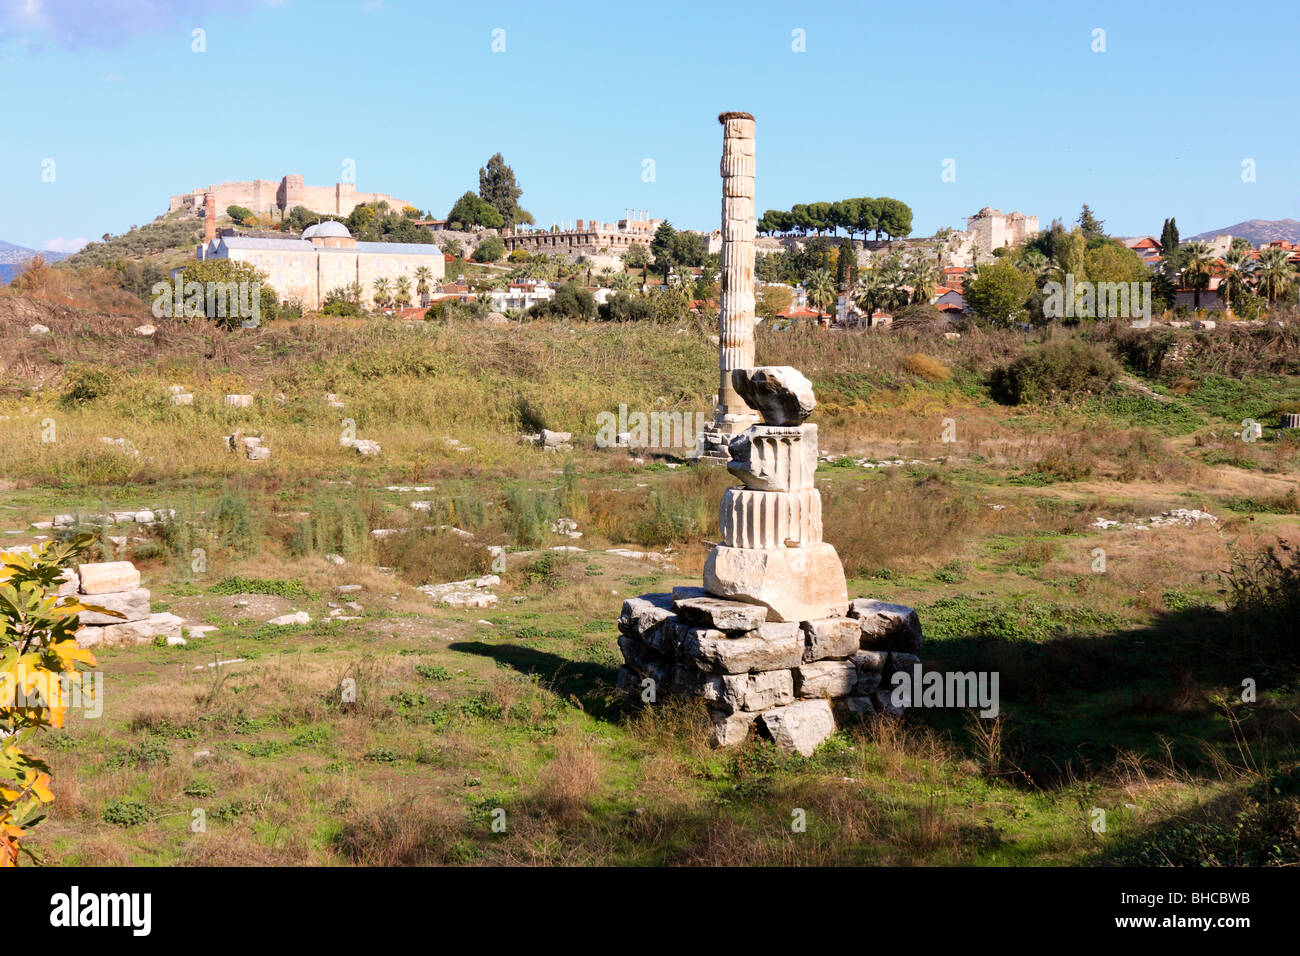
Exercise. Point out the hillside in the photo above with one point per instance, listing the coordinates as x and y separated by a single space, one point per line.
1258 231
14 257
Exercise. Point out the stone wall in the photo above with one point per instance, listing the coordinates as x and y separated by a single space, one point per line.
309 275
788 682
266 198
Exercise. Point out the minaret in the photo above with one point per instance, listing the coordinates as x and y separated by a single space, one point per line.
209 216
732 415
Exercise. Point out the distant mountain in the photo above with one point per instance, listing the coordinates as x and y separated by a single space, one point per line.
1258 231
13 258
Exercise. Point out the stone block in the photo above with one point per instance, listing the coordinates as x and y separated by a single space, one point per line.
826 679
129 633
239 401
108 576
130 605
640 614
799 727
830 637
69 583
887 627
794 584
731 729
768 648
90 636
711 612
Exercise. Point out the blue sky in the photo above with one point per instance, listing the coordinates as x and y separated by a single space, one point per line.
1159 124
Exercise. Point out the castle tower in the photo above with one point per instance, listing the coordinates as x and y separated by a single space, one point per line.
732 415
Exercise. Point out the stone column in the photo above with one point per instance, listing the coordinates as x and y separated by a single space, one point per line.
731 415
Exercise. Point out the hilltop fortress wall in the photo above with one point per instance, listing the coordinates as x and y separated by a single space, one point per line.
265 197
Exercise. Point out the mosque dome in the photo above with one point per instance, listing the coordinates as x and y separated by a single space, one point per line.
331 229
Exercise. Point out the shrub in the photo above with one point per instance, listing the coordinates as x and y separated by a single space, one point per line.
489 250
571 301
84 385
38 651
927 367
1056 370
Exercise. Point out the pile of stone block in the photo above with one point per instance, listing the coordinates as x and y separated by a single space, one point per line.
115 586
790 682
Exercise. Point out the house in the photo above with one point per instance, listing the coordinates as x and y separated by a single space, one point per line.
948 299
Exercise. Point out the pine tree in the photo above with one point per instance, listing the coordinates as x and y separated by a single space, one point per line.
496 185
1090 224
1169 236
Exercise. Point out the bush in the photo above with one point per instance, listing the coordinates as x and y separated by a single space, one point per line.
621 307
241 214
571 301
489 250
1057 370
343 301
927 367
84 385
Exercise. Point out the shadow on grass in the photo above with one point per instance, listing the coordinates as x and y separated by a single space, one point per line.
1072 701
588 683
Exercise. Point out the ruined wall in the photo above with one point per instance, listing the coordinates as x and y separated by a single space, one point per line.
266 198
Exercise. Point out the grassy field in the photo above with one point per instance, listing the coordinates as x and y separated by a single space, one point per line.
1121 689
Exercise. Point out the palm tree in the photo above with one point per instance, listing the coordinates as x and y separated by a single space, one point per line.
423 276
1275 273
381 286
821 290
623 282
1235 267
866 294
923 278
403 289
1198 266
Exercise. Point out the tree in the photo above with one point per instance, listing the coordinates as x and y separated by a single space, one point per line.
241 214
636 256
621 307
895 218
402 291
471 210
230 291
40 663
773 300
821 291
382 287
1169 237
423 276
571 301
664 248
923 277
689 249
497 187
1198 267
1000 291
1089 224
490 250
1275 273
846 265
1235 270
868 216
